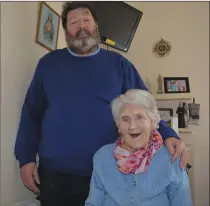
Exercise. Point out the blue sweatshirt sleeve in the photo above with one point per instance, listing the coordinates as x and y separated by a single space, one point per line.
179 191
132 80
28 135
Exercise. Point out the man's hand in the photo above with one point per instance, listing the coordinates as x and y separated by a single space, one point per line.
177 148
30 177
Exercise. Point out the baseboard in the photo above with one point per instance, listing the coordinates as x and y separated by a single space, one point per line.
29 202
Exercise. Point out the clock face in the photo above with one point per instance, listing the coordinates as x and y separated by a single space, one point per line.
162 48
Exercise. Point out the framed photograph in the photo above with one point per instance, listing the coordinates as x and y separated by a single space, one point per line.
166 114
47 27
176 84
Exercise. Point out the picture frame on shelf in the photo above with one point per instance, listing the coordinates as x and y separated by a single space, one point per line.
166 114
176 85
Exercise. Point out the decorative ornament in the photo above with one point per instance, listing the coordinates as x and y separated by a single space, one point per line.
194 112
160 84
162 47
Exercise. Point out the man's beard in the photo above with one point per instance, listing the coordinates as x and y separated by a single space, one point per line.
83 44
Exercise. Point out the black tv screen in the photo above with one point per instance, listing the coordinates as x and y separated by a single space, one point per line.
117 21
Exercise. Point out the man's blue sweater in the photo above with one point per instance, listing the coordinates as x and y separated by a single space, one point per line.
66 116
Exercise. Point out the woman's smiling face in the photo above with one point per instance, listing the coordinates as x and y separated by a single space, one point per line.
135 125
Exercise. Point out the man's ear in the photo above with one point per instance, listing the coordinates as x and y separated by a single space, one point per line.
65 31
66 34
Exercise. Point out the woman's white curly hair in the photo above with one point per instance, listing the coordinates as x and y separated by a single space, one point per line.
137 97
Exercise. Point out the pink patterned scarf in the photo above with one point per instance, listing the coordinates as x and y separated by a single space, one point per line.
134 161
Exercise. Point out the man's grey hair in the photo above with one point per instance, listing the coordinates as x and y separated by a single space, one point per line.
137 97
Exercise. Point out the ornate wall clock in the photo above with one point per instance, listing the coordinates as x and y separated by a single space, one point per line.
162 47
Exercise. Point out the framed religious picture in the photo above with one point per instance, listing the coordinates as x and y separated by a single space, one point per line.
47 27
176 84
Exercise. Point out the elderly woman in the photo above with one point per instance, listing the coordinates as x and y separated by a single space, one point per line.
137 169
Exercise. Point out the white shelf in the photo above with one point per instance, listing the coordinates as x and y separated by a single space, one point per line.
185 130
171 97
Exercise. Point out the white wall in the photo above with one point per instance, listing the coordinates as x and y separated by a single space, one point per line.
184 24
19 56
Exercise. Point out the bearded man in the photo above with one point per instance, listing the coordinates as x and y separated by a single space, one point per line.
66 116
